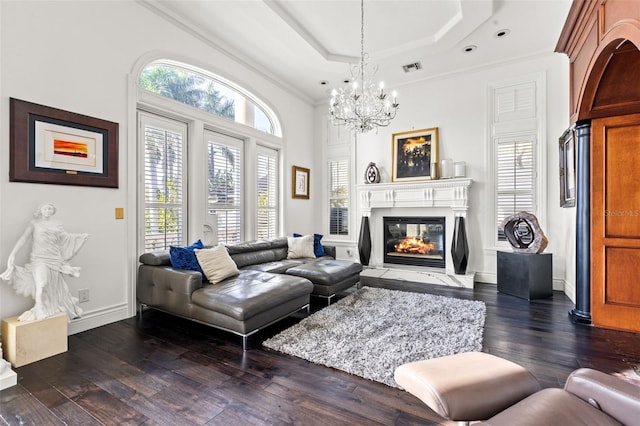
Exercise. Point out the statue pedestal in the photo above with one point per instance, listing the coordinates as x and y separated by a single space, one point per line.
525 275
24 342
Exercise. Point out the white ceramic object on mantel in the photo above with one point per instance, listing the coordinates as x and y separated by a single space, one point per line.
446 168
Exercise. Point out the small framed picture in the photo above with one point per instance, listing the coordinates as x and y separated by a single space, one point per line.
300 182
414 153
568 169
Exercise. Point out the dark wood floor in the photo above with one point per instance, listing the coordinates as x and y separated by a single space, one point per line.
164 370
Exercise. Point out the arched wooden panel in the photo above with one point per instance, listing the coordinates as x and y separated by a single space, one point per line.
612 87
593 32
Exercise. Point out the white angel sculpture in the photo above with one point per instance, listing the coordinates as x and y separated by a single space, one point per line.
42 278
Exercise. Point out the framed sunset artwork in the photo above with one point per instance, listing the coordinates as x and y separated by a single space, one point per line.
53 146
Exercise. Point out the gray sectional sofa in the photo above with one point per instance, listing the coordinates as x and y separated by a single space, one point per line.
268 288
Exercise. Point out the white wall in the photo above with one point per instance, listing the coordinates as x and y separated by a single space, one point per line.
457 105
77 56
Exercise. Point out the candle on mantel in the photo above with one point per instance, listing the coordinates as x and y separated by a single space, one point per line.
460 169
446 168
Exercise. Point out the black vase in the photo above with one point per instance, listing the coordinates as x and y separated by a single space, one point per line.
459 247
364 242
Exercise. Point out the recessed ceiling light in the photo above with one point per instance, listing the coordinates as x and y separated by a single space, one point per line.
323 82
502 33
469 49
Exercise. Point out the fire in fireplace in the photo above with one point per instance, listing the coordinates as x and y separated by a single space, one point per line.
417 241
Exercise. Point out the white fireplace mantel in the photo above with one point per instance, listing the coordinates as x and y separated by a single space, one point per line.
445 195
451 193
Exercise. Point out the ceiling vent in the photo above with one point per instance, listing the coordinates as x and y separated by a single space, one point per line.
412 67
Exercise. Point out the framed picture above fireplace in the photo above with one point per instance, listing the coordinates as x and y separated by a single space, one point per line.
414 154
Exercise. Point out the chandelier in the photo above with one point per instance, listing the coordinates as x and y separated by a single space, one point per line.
366 105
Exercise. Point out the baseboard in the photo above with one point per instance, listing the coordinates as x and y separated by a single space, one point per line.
99 318
570 290
558 284
486 277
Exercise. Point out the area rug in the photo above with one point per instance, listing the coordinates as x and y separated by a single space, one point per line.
372 331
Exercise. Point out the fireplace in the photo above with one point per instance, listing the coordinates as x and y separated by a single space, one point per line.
416 241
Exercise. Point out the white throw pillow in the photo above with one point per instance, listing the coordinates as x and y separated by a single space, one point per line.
216 263
300 247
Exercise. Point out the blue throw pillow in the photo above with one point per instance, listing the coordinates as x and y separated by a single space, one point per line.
318 250
185 257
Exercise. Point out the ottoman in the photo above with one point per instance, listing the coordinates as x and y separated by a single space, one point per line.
467 386
328 275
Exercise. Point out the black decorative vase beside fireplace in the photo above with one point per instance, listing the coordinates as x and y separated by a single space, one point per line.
364 242
459 247
416 241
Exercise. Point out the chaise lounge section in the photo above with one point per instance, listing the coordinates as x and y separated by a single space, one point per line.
270 286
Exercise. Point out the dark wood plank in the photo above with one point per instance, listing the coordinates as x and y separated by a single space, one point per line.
166 370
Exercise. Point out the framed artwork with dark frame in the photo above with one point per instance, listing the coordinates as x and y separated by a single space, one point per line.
300 183
414 154
49 145
568 168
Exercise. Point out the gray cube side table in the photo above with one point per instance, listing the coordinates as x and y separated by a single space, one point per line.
525 275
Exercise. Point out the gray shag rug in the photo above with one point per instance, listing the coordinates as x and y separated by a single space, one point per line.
373 331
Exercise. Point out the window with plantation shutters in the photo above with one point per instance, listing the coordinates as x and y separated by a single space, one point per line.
515 178
224 185
338 172
233 193
164 181
267 191
516 172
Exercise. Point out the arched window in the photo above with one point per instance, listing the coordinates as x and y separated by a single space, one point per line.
208 92
241 171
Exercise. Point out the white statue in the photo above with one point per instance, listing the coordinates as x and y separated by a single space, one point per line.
42 278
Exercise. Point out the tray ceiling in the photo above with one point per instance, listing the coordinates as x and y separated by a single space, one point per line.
300 43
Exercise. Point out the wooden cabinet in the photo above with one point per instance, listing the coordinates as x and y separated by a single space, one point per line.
602 38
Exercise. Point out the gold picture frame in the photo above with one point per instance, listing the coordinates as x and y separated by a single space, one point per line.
414 154
300 182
